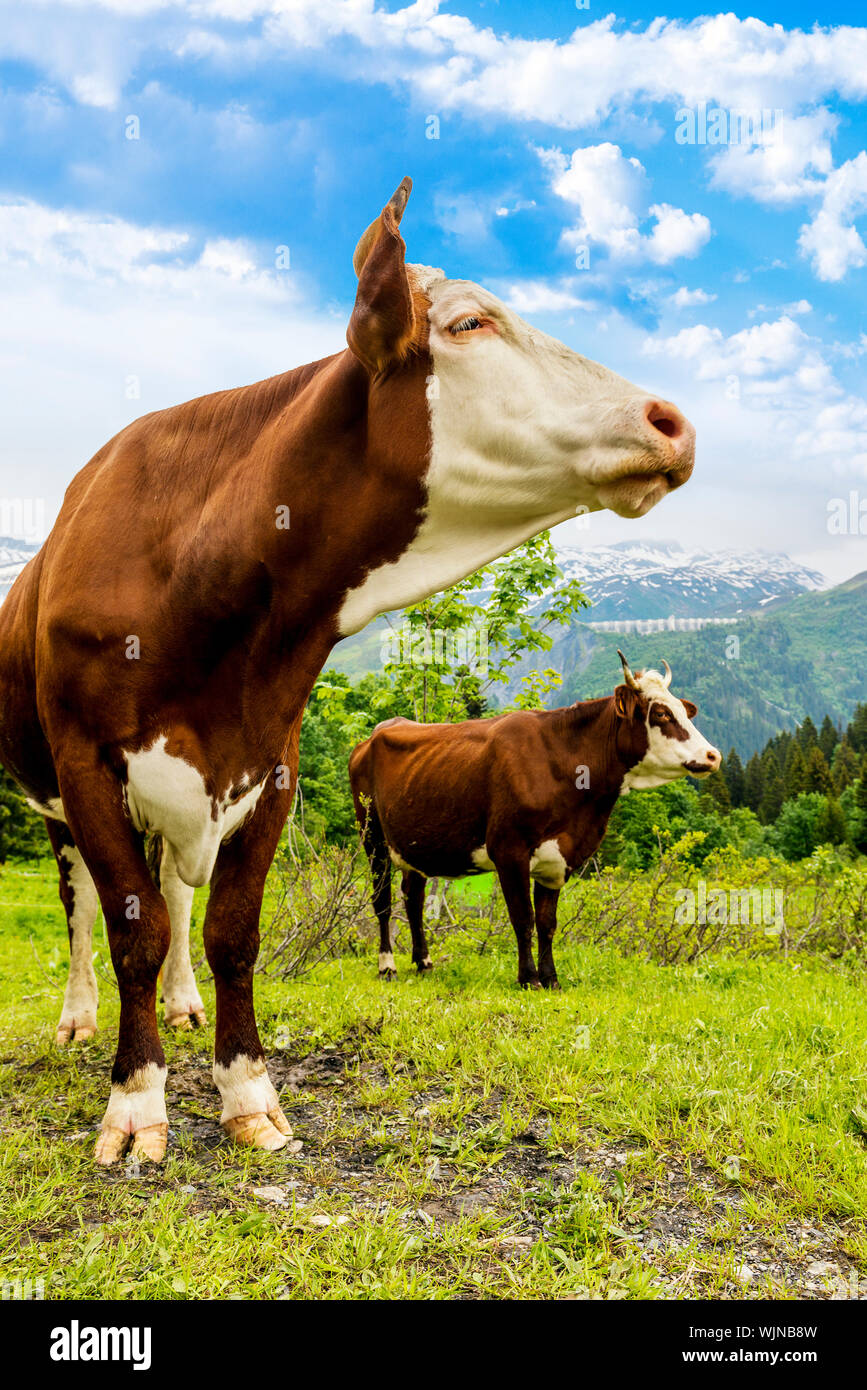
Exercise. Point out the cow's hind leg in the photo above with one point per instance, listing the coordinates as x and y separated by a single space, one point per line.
376 848
181 999
81 904
137 923
413 887
545 904
251 1111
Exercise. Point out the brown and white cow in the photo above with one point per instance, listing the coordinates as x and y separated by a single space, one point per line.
527 794
157 653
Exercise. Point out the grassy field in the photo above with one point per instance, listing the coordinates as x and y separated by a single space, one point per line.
651 1132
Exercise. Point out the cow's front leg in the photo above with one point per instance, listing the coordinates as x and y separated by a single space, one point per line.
251 1111
137 924
181 999
515 882
545 903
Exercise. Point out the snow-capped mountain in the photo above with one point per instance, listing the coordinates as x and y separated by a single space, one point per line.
658 580
14 555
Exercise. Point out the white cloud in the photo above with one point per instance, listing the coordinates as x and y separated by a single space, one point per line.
92 304
609 190
677 233
685 299
831 240
780 166
540 296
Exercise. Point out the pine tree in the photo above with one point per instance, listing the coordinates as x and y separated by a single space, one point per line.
831 825
818 773
795 775
754 783
844 768
773 794
861 803
857 730
828 738
807 735
733 772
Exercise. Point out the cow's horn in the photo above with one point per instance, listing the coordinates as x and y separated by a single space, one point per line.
666 681
627 674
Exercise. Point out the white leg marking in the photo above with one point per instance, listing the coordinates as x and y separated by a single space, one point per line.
245 1087
137 1110
386 962
251 1108
181 996
78 1017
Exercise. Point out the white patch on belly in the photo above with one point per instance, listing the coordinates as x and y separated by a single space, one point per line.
481 859
166 795
548 866
400 863
246 1088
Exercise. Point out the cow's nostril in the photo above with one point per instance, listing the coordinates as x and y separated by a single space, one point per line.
662 418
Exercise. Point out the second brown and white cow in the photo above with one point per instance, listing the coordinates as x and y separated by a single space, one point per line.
527 794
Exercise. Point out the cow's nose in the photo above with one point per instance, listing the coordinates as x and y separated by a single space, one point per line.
713 758
663 418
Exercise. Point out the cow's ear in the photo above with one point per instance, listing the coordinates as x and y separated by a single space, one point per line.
691 709
625 701
381 327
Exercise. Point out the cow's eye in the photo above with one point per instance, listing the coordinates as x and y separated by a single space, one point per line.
466 325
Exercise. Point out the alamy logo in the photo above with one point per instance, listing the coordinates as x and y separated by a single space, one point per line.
714 125
77 1343
757 907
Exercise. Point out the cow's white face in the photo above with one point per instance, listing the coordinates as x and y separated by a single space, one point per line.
675 748
524 433
524 424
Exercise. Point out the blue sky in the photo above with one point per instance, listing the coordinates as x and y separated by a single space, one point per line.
729 277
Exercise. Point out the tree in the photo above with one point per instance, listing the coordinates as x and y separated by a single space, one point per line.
795 775
828 738
754 783
22 831
807 735
861 807
844 768
773 790
733 772
831 826
796 829
857 730
818 773
451 647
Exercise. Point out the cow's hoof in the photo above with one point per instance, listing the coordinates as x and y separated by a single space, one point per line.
389 976
423 966
69 1032
186 1022
529 984
551 984
271 1131
148 1143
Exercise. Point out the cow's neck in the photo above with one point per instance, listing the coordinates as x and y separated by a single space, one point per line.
450 544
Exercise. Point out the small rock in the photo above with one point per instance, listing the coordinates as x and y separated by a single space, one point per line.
516 1240
294 1146
277 1195
187 1187
820 1268
744 1274
425 1217
319 1218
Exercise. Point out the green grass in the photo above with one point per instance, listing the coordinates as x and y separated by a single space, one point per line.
650 1132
